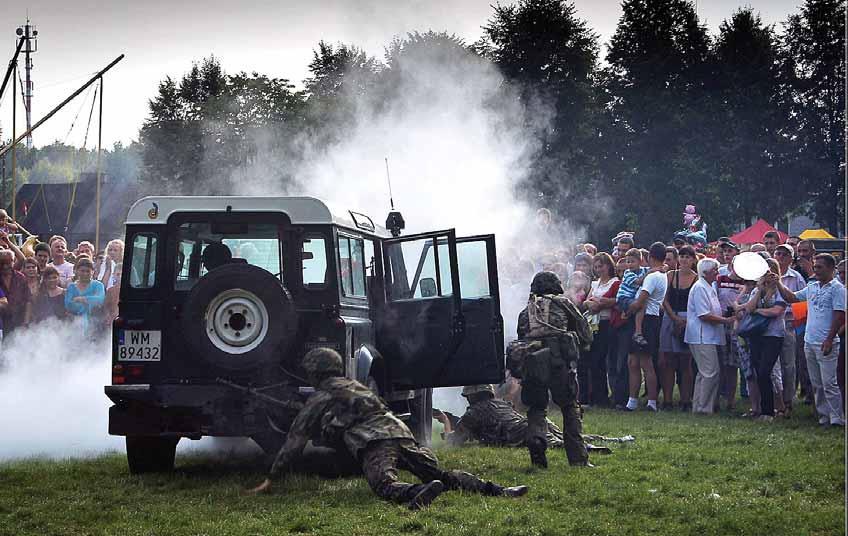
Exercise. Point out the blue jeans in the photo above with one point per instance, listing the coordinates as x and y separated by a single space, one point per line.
617 362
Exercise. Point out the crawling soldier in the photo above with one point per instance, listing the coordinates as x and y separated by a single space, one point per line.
344 414
494 422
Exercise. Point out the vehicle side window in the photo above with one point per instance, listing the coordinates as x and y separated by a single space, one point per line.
473 269
352 266
143 269
314 262
416 270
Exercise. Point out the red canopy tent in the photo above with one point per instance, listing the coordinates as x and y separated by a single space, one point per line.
754 233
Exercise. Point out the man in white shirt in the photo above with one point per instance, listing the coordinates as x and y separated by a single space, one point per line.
650 297
825 297
58 248
704 335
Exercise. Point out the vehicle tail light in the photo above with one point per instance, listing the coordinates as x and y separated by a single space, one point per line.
136 370
118 374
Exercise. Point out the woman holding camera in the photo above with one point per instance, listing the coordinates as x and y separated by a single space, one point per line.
767 341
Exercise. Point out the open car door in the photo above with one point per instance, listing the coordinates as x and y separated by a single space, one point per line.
423 329
479 358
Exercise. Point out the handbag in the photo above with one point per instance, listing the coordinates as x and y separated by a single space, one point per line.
752 325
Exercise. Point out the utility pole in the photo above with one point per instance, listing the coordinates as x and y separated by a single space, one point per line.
99 153
14 143
29 35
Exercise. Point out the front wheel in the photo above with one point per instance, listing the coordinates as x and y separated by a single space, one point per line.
151 454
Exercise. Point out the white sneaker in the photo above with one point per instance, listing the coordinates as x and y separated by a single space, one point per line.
823 421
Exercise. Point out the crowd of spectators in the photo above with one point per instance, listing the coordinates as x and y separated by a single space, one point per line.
671 317
40 281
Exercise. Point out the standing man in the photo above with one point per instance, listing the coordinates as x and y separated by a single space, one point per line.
704 335
650 297
806 250
792 280
346 415
623 243
825 297
771 239
803 264
552 320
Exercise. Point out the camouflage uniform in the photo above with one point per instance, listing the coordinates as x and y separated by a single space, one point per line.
495 423
344 414
553 320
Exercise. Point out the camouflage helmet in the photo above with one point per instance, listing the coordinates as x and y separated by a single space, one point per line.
469 390
321 363
546 283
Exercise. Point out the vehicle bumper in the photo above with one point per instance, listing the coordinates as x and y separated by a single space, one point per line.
187 411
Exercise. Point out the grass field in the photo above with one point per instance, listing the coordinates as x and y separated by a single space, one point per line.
684 475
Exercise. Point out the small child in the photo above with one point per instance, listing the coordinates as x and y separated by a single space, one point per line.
7 226
630 283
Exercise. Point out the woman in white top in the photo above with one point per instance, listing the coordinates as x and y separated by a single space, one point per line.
599 304
114 254
704 334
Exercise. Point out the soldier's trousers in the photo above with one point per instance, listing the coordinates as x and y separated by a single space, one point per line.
562 385
381 461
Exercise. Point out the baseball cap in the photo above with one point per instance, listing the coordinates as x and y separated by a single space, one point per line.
788 248
725 241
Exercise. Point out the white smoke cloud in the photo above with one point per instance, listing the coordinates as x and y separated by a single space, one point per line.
52 379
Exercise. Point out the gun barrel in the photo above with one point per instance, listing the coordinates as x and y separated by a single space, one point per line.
288 404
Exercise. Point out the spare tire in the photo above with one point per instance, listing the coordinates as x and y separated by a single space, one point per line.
239 317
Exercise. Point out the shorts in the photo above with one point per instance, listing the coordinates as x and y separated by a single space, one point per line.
670 341
651 332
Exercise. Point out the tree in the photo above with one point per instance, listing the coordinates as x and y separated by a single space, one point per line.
655 97
749 140
550 55
813 58
201 131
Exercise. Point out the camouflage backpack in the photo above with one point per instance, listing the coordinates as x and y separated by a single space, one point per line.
517 353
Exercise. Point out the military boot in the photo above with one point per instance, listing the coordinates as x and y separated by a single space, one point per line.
514 491
537 447
427 495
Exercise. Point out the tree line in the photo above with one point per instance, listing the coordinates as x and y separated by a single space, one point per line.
746 123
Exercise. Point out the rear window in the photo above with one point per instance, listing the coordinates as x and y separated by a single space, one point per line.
143 267
204 246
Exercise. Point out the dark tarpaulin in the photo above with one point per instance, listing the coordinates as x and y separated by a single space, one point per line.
43 209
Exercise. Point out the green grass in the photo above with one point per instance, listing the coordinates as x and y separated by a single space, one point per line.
684 475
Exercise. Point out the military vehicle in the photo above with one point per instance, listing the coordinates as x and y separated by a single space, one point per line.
222 296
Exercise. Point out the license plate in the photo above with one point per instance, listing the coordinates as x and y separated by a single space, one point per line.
134 345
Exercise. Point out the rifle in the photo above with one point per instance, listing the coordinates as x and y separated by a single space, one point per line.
287 404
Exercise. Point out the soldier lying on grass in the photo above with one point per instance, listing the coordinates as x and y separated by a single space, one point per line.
344 414
495 423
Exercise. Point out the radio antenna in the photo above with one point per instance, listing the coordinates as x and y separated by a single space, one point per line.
394 223
389 180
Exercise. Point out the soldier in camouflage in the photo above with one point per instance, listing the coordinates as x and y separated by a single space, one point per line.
344 414
494 422
551 319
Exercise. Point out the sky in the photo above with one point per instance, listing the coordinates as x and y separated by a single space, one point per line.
161 38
